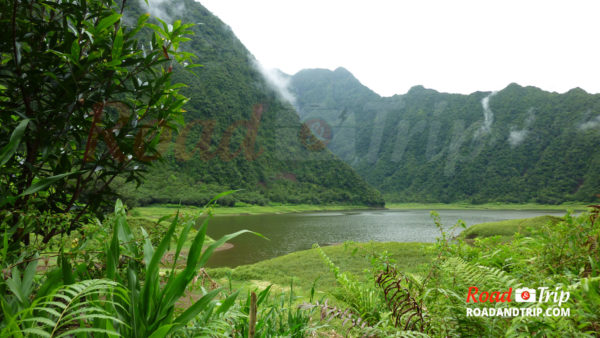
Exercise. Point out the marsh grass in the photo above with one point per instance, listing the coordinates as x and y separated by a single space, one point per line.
306 267
507 228
154 212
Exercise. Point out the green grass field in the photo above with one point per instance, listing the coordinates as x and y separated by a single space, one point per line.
306 266
507 228
487 206
156 211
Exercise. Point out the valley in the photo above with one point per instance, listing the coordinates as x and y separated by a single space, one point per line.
158 181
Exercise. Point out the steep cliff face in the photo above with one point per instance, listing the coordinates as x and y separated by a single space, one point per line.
239 132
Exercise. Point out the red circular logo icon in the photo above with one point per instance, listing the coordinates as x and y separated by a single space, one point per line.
315 134
320 128
525 295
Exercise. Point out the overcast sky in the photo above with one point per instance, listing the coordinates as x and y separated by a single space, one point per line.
451 46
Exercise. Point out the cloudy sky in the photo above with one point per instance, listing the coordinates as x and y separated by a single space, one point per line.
451 46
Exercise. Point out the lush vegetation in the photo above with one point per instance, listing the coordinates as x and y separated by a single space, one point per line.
525 146
354 282
99 283
239 134
507 228
88 103
305 268
117 284
81 105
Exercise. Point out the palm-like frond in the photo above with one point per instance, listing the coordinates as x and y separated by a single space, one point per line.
80 308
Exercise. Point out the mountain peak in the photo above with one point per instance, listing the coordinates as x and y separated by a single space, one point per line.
342 70
419 89
577 90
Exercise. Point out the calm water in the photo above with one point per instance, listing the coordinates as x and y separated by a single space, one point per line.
293 232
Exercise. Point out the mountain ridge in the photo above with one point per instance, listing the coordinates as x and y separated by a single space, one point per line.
239 134
427 146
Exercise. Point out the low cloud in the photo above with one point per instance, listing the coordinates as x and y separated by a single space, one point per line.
516 137
277 80
592 124
158 8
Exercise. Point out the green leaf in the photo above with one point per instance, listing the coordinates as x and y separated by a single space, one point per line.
198 307
70 333
112 254
28 275
53 281
123 230
140 24
227 303
156 29
208 252
216 198
148 248
117 45
151 284
36 331
76 311
162 331
4 247
263 295
67 270
107 21
15 287
46 182
75 51
15 138
181 242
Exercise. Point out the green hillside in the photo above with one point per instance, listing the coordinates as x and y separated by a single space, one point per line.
520 144
239 134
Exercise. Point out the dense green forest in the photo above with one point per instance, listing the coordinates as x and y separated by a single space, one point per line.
239 134
520 144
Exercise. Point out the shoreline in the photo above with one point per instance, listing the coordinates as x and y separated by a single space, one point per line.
578 206
157 211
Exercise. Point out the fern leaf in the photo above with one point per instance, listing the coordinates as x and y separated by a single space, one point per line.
70 311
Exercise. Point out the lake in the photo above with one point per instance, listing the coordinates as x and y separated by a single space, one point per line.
299 231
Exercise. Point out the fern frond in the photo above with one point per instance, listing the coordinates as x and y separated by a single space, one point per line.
72 310
329 312
466 274
402 302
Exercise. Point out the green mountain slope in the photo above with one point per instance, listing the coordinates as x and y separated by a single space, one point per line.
520 144
239 134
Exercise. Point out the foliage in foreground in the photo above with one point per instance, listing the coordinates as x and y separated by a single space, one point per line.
83 101
561 254
131 297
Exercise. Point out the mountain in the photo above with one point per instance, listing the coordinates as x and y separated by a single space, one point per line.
239 132
520 144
